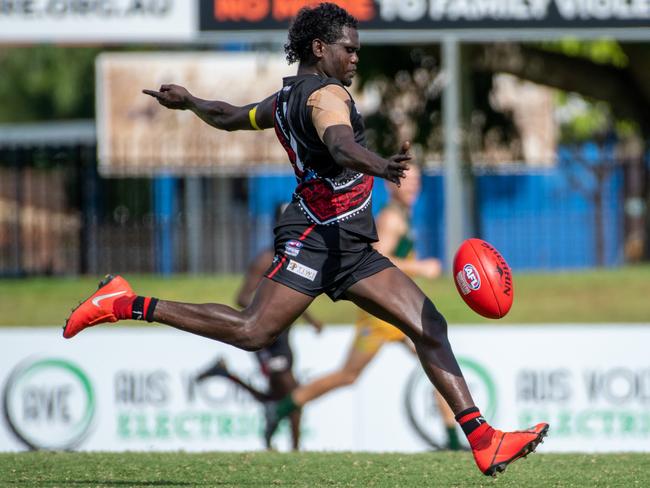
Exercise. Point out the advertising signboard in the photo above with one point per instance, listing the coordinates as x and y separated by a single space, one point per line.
386 15
113 21
179 21
121 389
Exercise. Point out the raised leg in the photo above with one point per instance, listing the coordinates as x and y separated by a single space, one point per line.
392 296
274 307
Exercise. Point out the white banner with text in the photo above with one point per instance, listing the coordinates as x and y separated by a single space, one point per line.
117 21
124 388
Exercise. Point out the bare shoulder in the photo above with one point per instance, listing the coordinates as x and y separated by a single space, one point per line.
327 95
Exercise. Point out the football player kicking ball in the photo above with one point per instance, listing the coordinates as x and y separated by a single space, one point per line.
396 243
323 242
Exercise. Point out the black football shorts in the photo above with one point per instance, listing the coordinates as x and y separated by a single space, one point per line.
315 259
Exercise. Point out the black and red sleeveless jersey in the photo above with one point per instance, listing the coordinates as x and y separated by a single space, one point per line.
326 193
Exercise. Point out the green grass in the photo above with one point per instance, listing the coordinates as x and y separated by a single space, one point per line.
313 470
611 295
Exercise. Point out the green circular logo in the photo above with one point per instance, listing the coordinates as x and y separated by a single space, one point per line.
422 406
49 404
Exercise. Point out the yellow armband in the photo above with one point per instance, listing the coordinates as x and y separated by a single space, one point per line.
251 116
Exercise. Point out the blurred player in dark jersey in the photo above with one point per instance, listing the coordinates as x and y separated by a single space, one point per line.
276 360
323 242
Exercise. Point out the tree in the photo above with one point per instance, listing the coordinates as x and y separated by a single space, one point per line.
41 83
625 88
405 86
622 82
408 82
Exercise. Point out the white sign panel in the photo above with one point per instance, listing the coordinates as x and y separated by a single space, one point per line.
117 389
97 21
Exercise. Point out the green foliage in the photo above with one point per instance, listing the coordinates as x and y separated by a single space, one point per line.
583 119
399 76
602 51
47 83
316 469
595 117
592 121
409 83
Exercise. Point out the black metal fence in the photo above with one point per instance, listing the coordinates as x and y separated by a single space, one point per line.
59 217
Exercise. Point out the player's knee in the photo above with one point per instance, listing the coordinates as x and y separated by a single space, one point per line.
434 325
255 342
252 337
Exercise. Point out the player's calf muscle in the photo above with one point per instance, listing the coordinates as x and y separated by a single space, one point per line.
431 328
434 325
218 322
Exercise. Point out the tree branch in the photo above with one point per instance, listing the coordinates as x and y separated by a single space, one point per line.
614 85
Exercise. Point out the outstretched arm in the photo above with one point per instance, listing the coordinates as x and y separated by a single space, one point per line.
222 115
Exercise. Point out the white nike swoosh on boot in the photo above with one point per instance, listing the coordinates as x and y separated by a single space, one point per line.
99 298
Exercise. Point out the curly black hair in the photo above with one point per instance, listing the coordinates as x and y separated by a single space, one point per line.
324 22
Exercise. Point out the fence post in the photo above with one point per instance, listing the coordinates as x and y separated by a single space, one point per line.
164 202
17 245
87 176
454 201
194 222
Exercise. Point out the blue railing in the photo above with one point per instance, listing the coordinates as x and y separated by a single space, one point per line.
540 219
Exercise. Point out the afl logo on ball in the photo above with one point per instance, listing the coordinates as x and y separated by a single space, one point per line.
471 275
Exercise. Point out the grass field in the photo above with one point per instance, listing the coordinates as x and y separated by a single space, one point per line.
602 296
313 470
611 295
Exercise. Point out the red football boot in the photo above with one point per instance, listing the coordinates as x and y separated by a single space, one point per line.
97 308
494 455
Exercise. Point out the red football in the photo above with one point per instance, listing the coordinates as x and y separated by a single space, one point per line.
483 278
